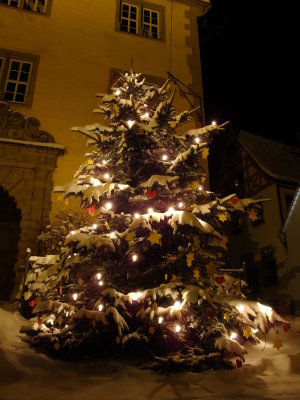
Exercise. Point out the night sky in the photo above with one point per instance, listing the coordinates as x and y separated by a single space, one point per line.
250 70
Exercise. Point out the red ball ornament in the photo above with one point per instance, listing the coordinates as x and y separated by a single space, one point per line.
220 279
234 201
238 362
31 303
286 327
151 194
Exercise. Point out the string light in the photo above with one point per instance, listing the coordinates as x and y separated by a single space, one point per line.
240 308
136 215
112 235
233 336
67 313
51 322
104 162
100 283
197 140
180 205
135 296
94 226
150 210
171 209
255 330
75 295
164 157
214 123
72 232
99 276
100 307
200 188
265 309
177 305
146 115
106 176
108 205
66 326
96 182
177 328
117 92
134 258
160 320
130 123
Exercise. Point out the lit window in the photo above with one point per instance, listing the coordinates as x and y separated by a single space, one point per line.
17 73
150 23
129 18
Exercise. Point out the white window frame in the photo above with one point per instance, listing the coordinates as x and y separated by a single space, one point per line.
151 11
130 5
30 6
8 58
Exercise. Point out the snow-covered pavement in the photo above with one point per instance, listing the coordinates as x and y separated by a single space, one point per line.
28 375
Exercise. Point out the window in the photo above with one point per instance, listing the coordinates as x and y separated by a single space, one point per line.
37 6
141 18
17 73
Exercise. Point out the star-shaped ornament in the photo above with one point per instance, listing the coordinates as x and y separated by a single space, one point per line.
172 124
189 259
227 316
154 238
222 217
205 153
196 274
181 141
116 108
203 179
166 277
130 236
211 268
277 343
151 330
196 243
90 162
253 215
246 332
219 254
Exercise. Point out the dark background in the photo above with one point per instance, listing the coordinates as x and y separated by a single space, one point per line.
249 55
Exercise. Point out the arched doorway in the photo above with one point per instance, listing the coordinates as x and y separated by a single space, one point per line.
10 218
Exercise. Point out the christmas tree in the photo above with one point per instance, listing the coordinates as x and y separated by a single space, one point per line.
148 278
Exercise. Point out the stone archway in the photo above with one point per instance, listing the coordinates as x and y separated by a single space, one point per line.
27 161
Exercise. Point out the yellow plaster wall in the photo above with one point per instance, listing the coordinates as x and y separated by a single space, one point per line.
77 45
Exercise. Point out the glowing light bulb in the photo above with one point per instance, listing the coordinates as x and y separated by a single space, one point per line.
177 328
150 210
171 209
255 330
135 296
108 205
66 326
240 308
134 258
180 205
100 307
160 320
265 309
75 296
197 140
94 226
104 162
117 92
136 215
99 276
51 322
200 187
233 335
67 313
145 105
177 305
126 74
146 115
100 283
164 157
127 87
96 182
72 232
213 123
112 235
130 123
106 176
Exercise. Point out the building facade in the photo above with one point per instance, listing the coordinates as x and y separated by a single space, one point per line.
55 56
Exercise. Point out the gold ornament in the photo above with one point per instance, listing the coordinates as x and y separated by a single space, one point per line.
246 332
59 320
227 316
222 217
151 330
211 268
277 343
90 162
195 185
253 215
154 238
203 179
106 225
60 197
166 277
181 141
172 124
196 274
154 305
189 259
116 108
205 153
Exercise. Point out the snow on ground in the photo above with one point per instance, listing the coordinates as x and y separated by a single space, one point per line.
28 375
